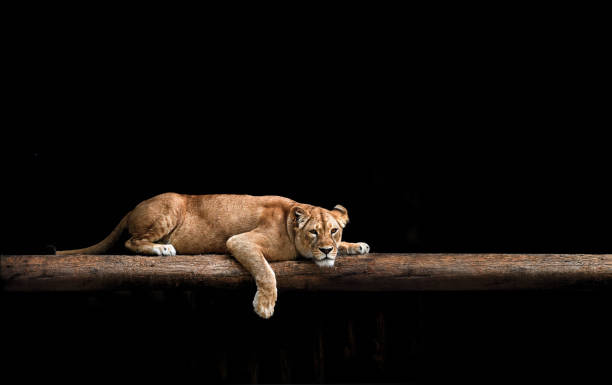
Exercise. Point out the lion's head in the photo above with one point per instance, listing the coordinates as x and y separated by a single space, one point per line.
318 232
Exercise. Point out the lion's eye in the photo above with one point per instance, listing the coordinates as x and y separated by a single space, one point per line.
333 231
313 232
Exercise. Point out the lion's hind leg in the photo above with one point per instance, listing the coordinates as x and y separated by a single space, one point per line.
143 246
151 225
145 238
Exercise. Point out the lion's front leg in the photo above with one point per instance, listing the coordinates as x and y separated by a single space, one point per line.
348 248
247 249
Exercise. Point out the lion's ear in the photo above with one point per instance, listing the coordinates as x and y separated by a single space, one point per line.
341 215
298 215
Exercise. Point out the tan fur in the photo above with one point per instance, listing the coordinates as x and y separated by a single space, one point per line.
253 229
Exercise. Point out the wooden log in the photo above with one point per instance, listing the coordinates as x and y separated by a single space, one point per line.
372 272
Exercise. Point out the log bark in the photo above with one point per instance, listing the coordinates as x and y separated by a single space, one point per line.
372 272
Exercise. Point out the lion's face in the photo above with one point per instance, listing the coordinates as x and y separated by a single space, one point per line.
318 232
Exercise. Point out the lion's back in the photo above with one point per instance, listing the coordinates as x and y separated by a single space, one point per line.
212 219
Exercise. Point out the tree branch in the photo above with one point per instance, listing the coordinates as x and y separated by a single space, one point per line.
372 272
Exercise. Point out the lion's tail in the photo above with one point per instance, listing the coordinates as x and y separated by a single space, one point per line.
102 246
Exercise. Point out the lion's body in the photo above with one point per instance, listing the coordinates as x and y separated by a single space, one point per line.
254 229
202 224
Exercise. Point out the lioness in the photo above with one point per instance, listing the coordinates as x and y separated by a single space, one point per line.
253 229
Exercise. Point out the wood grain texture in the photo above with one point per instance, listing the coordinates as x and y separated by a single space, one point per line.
372 272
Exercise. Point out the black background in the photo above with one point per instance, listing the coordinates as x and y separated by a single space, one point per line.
433 142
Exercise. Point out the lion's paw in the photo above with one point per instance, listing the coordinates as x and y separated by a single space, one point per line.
164 250
363 248
263 303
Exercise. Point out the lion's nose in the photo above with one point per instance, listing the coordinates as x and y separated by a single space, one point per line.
326 250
